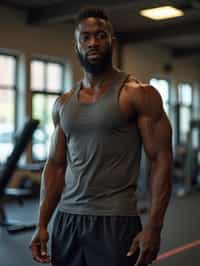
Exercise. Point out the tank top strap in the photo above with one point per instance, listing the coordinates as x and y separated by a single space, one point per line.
122 78
76 89
77 86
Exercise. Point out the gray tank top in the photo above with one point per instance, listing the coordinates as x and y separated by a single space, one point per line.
103 156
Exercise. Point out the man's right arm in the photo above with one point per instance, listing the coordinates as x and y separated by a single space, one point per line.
51 186
54 171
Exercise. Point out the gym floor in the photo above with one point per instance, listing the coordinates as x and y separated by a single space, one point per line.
180 236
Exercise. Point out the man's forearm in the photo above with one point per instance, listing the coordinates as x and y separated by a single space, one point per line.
51 188
160 190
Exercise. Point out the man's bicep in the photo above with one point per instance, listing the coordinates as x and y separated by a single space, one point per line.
57 151
156 135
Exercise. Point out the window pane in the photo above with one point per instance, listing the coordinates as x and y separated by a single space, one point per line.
50 100
39 138
6 123
54 77
163 87
38 107
37 75
185 93
195 138
42 110
7 107
184 122
7 70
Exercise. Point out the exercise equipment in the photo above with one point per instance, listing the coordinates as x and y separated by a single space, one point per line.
6 174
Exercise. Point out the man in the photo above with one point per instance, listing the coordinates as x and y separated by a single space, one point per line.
94 159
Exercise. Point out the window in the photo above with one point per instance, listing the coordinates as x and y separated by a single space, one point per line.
185 109
8 103
162 86
46 86
168 94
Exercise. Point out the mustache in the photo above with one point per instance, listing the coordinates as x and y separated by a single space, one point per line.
95 67
93 51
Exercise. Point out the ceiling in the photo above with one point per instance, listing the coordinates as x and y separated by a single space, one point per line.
181 35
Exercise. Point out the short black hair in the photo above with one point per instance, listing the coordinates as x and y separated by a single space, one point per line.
94 12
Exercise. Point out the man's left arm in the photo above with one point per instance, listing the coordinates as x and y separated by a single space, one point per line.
156 135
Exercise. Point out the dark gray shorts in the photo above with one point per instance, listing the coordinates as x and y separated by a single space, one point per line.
87 240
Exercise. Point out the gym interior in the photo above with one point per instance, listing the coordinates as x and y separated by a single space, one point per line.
38 63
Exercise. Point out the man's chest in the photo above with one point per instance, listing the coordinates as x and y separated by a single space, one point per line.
90 96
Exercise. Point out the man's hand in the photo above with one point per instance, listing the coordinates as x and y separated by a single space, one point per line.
38 245
148 241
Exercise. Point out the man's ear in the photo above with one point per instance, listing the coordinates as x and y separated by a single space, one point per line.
75 46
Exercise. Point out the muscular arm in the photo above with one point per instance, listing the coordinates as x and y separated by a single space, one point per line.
156 135
53 173
51 186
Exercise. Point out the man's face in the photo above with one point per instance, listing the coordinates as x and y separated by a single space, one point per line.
94 45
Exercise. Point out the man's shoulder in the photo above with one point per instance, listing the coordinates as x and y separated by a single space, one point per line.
64 98
135 84
139 88
60 102
143 96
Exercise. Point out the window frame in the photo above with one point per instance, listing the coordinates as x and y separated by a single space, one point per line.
13 88
44 91
180 104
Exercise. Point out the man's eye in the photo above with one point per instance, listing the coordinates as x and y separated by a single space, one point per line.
84 38
102 35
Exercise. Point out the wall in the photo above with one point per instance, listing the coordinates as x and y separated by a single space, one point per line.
145 60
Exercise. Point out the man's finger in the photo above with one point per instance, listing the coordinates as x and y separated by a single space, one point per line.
152 255
133 248
141 258
45 258
35 248
43 248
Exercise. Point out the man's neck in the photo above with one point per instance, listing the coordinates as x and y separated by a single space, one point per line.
96 81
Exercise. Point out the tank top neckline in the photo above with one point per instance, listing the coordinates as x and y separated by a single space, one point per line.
105 94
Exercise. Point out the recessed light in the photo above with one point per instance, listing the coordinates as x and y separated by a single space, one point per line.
164 12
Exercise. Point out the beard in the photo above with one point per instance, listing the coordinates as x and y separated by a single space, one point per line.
96 67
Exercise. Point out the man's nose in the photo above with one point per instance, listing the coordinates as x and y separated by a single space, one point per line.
93 42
